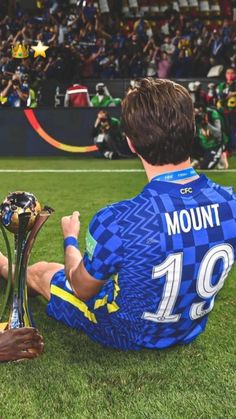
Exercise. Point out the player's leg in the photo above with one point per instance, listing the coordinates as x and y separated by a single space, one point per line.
49 280
39 277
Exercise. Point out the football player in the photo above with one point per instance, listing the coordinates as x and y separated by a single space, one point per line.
155 263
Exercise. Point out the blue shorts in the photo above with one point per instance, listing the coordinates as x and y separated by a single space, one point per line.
95 321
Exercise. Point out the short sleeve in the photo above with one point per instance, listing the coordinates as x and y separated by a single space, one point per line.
104 248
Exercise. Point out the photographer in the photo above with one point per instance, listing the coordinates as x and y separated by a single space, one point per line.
107 135
211 137
226 94
15 92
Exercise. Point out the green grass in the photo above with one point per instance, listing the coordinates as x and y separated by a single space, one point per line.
76 378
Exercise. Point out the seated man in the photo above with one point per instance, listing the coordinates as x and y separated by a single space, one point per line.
154 263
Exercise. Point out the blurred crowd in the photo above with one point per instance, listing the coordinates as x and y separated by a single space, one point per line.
88 41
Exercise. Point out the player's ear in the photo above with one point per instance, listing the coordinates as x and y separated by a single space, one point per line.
131 145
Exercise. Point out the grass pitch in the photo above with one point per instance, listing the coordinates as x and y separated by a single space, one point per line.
76 378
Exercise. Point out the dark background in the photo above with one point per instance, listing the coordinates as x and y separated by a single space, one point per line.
69 126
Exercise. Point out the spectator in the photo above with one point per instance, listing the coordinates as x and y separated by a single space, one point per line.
87 63
151 51
226 93
216 46
137 66
76 96
102 97
164 66
86 43
109 66
168 46
181 66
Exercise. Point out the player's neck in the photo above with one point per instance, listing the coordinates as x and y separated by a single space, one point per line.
153 171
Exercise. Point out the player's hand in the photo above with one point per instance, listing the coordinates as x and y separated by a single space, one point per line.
71 225
20 343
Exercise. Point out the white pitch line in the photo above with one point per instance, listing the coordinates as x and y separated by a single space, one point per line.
71 170
97 171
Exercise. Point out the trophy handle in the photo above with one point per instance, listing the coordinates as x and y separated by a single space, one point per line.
20 307
39 222
9 277
17 312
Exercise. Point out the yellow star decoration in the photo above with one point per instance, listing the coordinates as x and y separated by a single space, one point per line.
40 50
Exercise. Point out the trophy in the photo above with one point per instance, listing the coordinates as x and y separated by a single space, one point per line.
21 214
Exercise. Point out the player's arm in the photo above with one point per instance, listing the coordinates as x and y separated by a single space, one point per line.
15 343
82 283
103 255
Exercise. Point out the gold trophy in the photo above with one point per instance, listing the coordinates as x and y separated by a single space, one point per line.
21 214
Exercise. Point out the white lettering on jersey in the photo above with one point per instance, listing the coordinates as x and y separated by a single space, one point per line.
193 218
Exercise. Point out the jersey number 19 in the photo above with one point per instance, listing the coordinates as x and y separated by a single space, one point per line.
172 269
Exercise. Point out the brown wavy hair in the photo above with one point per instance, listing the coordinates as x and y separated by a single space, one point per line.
158 118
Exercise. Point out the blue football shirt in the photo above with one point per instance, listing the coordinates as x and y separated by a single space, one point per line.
165 255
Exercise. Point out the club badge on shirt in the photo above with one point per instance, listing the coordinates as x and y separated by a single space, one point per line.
90 244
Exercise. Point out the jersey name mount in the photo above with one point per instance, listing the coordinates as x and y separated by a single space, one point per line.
193 218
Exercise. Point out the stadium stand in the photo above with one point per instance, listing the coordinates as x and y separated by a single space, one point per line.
115 39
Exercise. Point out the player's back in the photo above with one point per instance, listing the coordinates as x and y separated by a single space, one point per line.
179 244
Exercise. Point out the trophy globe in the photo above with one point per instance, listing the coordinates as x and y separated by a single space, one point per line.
15 204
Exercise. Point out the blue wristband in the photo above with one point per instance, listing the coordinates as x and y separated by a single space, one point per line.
71 241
